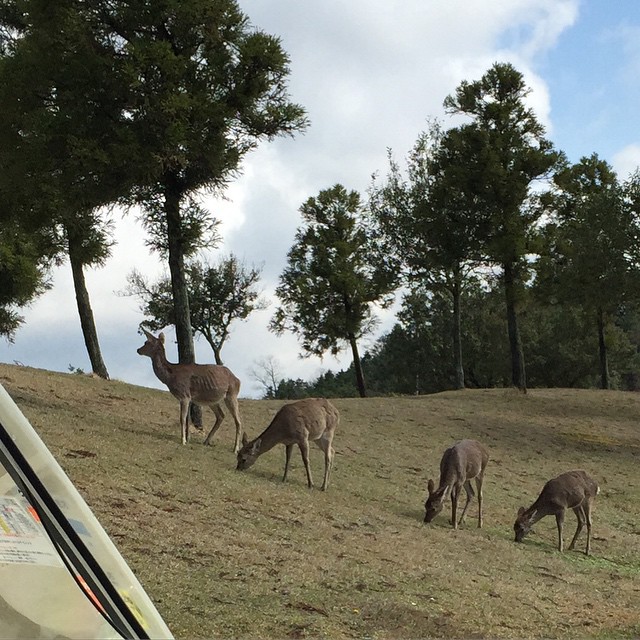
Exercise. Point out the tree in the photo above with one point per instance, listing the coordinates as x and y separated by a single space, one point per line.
512 152
432 218
205 88
61 127
219 294
591 247
336 270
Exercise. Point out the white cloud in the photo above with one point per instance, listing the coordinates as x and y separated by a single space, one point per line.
627 160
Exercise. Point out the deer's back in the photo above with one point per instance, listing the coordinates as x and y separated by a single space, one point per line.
569 489
204 382
464 460
314 416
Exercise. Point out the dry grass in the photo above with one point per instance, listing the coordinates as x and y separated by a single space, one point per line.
226 554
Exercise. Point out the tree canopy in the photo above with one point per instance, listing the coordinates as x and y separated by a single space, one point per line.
336 270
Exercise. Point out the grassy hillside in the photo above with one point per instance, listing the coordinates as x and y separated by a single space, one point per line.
229 554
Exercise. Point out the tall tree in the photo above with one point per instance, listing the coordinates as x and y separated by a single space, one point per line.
205 88
336 270
592 258
61 128
433 218
219 294
512 152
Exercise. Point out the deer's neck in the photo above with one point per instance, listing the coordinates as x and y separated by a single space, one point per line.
535 512
161 366
269 438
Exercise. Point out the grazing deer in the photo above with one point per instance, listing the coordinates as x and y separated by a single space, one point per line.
204 384
312 419
460 463
571 490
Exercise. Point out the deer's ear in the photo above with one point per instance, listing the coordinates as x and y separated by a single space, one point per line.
520 511
161 337
430 486
244 439
146 333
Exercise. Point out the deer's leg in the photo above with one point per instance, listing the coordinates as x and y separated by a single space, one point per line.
455 492
184 420
579 511
232 405
287 456
559 521
325 445
304 450
479 480
469 491
219 418
587 513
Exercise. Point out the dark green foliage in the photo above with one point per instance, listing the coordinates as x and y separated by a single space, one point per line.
510 152
434 218
589 251
336 270
22 275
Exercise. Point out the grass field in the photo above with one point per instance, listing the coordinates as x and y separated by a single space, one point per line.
227 554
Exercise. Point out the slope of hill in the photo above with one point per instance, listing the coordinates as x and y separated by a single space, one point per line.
229 554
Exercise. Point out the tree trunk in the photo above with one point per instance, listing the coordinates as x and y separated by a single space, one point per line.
604 359
184 334
357 365
457 331
85 312
518 375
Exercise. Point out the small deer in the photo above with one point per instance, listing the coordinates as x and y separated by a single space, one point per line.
204 384
460 463
311 419
571 490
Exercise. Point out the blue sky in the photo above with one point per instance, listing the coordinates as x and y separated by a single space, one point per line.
369 73
593 76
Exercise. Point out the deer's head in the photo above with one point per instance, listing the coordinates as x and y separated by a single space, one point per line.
152 345
248 454
435 501
522 525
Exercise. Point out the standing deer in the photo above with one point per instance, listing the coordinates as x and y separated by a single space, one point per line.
460 463
571 490
312 419
204 384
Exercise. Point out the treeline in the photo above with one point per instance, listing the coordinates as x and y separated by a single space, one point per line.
415 356
518 268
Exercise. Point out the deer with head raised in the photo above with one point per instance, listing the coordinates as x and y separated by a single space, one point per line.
204 384
460 464
571 490
301 422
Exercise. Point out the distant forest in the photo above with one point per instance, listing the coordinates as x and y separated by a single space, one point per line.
559 340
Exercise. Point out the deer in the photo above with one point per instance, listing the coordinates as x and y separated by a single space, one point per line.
571 490
460 464
301 422
204 384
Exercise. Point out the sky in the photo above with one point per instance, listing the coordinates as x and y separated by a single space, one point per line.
371 74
